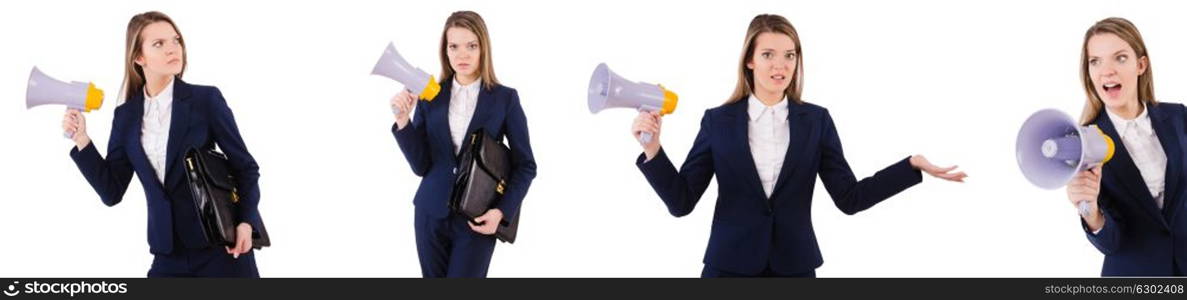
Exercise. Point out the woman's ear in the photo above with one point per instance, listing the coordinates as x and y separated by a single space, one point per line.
1143 63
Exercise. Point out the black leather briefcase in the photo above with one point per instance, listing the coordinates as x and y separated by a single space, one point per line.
483 170
217 199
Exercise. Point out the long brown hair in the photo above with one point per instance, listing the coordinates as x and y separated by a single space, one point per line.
133 73
473 22
762 24
1128 33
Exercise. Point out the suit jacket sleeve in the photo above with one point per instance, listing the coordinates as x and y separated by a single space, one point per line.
414 142
1108 239
681 190
849 194
243 165
523 162
109 177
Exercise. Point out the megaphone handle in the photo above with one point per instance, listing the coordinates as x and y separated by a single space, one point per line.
67 134
645 137
1084 207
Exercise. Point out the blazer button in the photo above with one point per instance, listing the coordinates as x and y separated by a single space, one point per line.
454 170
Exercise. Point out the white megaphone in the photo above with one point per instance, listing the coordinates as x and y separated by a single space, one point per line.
608 90
1052 148
45 90
392 65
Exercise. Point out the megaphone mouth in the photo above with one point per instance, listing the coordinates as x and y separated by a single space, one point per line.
1038 143
599 88
32 84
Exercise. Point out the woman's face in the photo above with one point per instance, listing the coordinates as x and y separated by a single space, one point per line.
773 62
160 50
461 45
1114 69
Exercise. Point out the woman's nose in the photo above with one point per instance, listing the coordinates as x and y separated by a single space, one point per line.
1108 70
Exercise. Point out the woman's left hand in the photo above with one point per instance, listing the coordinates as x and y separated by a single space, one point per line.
242 240
921 163
489 222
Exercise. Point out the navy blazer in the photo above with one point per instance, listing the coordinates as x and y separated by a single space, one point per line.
1138 238
750 231
428 146
200 119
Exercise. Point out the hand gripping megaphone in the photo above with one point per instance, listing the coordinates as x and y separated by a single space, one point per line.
608 90
45 90
1051 148
392 65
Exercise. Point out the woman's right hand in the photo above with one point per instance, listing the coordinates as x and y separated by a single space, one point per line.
402 105
74 124
1085 187
649 122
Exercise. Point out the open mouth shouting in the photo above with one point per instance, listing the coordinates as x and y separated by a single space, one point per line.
1112 89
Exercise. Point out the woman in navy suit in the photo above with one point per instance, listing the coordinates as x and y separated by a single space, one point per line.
161 119
447 244
766 147
1136 214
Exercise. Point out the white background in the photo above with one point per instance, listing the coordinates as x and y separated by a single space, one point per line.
953 81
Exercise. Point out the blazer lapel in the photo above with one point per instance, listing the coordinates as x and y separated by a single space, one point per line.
178 127
799 128
482 111
1126 172
136 109
739 133
1174 166
438 117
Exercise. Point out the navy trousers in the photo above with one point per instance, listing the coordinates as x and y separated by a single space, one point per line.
205 262
447 247
710 272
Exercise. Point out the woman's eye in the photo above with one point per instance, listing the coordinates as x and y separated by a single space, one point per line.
790 55
1092 62
1122 58
156 44
766 55
473 46
451 47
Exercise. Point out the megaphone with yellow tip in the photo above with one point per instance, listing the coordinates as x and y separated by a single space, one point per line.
608 90
393 66
45 90
1051 148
